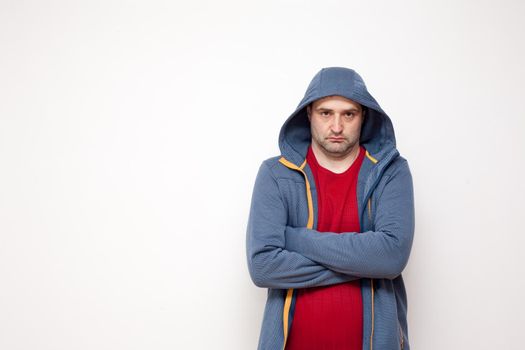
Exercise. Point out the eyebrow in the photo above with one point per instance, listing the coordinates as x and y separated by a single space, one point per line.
331 110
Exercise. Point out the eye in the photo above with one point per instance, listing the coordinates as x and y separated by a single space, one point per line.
350 114
325 113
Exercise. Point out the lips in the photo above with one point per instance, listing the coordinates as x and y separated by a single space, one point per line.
336 139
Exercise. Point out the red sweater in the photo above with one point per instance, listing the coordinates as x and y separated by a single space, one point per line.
331 317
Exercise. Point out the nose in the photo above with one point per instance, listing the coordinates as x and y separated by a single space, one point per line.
337 125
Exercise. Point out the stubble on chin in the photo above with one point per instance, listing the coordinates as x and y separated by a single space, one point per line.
336 149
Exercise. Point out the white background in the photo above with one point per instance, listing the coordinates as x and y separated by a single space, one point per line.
131 134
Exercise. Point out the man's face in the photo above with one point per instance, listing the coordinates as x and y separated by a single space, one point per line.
335 124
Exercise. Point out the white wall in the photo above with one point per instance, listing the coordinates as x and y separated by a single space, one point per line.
131 133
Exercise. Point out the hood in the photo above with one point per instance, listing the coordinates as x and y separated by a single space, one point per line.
377 132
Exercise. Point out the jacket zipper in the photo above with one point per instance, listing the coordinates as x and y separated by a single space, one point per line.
371 284
402 340
309 224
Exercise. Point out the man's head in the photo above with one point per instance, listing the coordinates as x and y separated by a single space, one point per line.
335 124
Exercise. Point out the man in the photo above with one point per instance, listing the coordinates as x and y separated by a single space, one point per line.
331 224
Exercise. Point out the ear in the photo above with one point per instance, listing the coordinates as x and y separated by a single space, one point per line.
308 112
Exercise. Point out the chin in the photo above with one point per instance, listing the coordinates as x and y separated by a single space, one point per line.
337 150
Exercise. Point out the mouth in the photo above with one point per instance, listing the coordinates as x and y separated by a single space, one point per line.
336 139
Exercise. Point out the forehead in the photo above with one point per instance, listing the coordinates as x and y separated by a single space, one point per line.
333 102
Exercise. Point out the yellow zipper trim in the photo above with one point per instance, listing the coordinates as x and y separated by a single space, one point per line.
371 158
286 312
287 163
310 224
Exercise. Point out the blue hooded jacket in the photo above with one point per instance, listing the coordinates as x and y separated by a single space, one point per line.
284 250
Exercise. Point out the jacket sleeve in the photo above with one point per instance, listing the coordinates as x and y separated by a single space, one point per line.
381 253
270 265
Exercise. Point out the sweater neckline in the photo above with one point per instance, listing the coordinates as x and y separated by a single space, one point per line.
311 158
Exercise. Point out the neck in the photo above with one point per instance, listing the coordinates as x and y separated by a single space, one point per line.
336 163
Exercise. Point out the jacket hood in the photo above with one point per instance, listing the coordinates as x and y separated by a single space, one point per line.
377 132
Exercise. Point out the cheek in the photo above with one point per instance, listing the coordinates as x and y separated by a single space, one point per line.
317 128
354 129
324 131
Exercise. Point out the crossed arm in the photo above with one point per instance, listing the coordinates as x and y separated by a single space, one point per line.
281 256
269 263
